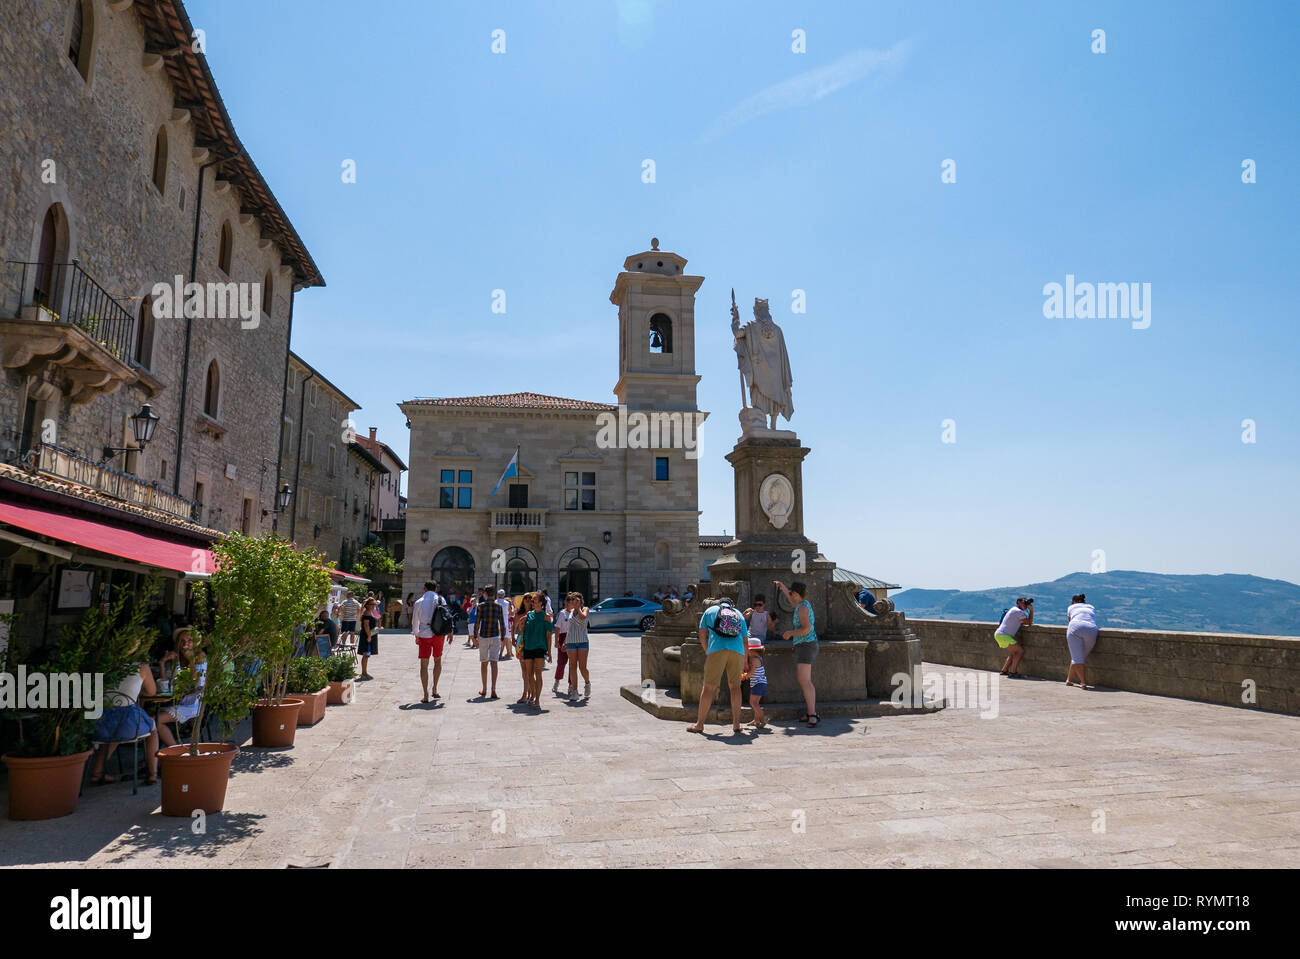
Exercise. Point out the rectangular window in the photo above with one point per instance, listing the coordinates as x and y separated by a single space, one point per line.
292 384
456 489
309 448
661 468
331 460
580 491
246 517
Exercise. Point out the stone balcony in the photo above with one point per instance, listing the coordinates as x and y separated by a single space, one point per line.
521 520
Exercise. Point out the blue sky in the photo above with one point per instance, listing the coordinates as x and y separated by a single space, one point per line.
820 171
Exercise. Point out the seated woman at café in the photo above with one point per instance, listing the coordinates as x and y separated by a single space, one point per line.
123 722
186 655
326 627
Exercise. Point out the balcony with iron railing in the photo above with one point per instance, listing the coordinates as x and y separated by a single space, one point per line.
58 314
64 464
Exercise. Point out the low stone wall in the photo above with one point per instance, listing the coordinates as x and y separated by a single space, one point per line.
1210 667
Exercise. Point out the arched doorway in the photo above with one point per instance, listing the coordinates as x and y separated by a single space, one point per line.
51 256
520 575
580 573
453 570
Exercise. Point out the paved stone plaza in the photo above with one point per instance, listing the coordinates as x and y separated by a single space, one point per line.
388 782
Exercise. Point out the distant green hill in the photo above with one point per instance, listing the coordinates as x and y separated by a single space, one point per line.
1127 599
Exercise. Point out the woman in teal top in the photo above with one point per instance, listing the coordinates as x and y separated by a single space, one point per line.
536 645
804 635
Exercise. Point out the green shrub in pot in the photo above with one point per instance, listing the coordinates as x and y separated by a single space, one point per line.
308 674
341 667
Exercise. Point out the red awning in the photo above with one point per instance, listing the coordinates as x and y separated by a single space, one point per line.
342 575
140 547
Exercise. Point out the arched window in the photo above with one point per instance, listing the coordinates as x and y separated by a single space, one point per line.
212 391
453 568
580 573
225 247
661 333
160 160
81 36
268 294
663 556
144 334
521 572
51 255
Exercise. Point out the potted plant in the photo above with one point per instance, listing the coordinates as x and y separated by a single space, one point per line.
266 593
309 681
195 774
48 761
341 670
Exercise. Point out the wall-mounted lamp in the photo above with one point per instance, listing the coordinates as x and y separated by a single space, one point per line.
424 536
142 425
315 531
281 500
607 536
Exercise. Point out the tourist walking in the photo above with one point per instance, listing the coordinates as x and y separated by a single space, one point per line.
349 611
722 634
535 647
409 607
369 643
427 638
489 632
1021 614
507 613
471 640
1080 637
577 644
561 620
804 634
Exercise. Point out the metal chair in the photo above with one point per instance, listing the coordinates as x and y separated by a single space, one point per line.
121 701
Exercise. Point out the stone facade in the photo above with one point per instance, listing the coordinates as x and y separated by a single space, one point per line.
331 475
80 152
460 446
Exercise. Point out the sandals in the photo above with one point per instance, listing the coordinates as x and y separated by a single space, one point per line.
814 720
104 779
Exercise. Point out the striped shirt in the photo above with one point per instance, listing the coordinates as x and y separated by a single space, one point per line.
350 610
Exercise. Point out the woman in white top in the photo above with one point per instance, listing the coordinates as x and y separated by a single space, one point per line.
1080 636
185 710
123 722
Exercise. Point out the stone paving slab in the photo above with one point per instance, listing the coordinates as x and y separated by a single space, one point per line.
388 782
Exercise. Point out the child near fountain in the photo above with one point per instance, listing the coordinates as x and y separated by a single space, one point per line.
757 674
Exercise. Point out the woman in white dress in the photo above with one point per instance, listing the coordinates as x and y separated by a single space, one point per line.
185 710
1080 636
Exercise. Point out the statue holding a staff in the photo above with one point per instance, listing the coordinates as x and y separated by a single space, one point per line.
764 364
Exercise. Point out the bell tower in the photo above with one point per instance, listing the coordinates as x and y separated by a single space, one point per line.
656 331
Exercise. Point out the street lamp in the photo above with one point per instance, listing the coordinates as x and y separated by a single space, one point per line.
281 500
607 536
143 424
424 536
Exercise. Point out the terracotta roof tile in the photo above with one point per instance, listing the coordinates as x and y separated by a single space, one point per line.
519 401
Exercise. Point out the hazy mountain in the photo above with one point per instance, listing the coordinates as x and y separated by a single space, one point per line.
1128 599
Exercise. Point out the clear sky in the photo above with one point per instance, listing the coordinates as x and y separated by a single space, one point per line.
821 171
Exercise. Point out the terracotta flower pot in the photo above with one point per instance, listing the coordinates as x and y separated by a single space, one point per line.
341 693
45 787
195 782
313 706
275 725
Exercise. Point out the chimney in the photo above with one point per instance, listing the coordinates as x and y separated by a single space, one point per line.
372 434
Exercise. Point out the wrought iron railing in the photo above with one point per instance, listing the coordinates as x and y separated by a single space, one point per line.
65 293
65 464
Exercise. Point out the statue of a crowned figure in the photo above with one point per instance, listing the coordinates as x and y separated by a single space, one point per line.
764 368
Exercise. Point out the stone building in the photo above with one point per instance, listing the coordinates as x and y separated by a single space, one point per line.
386 498
598 505
331 474
143 260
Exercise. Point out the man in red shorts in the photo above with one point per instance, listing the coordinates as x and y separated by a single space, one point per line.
428 643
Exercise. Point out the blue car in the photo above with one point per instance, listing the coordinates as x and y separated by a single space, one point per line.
623 612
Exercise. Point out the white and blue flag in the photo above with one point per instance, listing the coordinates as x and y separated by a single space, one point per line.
512 469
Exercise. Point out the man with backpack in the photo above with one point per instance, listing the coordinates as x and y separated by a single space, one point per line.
722 634
431 624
